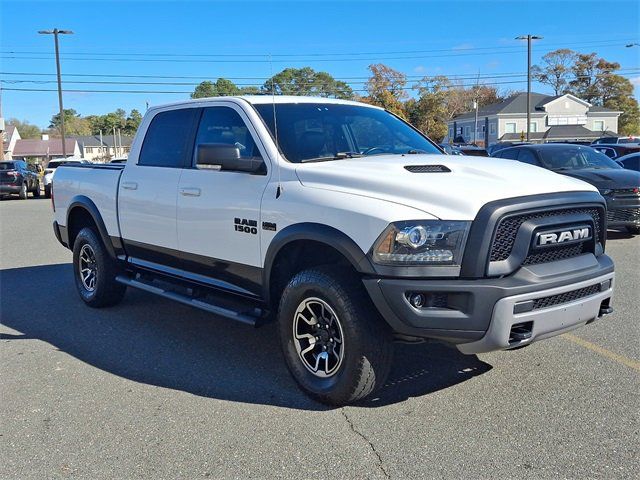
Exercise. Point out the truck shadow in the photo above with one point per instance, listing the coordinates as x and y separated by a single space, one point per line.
157 342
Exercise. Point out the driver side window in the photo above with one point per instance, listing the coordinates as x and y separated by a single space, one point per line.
224 126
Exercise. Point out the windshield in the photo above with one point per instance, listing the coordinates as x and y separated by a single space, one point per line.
575 158
56 163
326 131
7 166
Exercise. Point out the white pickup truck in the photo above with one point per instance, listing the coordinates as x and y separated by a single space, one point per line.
344 224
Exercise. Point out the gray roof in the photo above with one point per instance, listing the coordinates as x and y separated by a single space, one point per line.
518 104
35 147
559 132
107 140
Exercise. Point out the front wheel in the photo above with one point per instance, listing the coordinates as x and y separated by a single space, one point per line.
95 271
336 346
36 191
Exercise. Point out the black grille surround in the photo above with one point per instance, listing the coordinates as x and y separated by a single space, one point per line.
509 225
476 262
566 297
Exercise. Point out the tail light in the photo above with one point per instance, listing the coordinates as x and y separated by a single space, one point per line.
13 173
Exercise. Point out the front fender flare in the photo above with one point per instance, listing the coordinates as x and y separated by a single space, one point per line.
318 233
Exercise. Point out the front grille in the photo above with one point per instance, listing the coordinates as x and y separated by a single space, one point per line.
566 297
554 253
508 227
626 192
624 215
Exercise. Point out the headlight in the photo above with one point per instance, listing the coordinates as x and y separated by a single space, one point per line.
422 242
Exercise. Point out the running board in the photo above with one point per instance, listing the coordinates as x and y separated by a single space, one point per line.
250 318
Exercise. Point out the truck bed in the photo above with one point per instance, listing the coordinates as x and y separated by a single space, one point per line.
97 182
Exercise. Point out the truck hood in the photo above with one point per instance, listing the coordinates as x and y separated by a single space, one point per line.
457 194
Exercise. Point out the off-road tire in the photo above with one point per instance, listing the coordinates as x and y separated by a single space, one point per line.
367 338
107 291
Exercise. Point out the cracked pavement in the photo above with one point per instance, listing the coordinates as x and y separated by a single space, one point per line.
153 389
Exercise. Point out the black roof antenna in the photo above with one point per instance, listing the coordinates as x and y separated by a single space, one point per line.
275 128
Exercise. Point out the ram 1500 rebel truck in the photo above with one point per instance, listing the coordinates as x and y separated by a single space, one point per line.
343 223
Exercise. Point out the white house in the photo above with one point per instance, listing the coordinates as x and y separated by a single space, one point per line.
9 138
553 118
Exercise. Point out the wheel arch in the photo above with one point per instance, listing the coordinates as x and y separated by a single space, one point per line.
335 246
83 212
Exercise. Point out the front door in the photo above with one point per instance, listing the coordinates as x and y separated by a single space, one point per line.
218 213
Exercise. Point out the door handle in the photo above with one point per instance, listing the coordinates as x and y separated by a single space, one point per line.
190 192
130 185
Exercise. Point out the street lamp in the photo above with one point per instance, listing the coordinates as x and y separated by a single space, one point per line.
528 38
55 32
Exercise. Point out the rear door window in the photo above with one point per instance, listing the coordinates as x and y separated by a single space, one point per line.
168 139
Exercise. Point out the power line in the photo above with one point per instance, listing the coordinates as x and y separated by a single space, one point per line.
360 82
621 71
314 54
234 61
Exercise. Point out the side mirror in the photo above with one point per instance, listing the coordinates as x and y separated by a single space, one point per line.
227 157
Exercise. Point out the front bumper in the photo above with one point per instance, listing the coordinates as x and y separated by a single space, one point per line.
481 315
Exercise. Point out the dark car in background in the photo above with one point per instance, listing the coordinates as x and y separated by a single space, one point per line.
496 147
18 179
630 161
619 187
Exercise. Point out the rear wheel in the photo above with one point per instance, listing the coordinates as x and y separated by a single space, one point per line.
336 346
634 230
36 191
47 191
95 271
23 192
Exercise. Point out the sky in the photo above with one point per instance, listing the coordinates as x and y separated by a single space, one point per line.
137 46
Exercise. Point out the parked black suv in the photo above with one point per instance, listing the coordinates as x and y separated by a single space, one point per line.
619 187
17 178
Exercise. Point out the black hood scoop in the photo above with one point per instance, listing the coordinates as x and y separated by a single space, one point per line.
427 168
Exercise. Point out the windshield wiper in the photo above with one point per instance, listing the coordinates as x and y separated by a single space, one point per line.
415 151
337 156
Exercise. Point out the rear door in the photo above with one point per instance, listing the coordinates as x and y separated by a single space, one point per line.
148 189
219 211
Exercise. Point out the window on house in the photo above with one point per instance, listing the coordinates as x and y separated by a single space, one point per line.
598 126
533 126
89 149
510 127
467 131
451 133
492 128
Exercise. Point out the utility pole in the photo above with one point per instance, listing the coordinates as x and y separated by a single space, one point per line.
528 38
55 32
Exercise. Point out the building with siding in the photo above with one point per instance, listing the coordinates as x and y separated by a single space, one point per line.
553 118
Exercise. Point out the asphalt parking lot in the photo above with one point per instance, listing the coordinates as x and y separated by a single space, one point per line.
154 389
